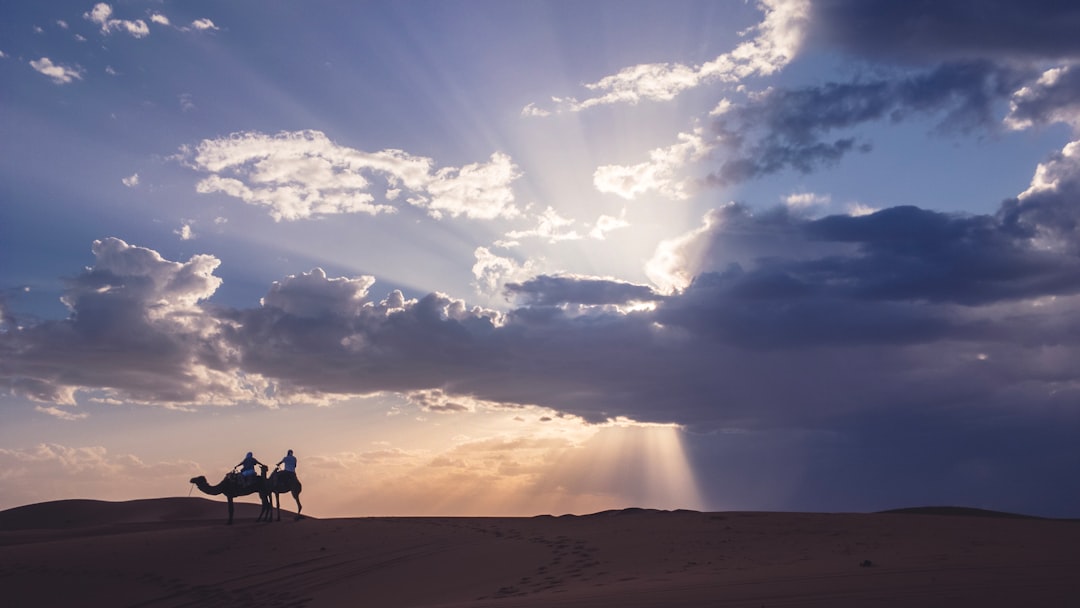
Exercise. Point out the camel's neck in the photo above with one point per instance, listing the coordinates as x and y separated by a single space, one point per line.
206 488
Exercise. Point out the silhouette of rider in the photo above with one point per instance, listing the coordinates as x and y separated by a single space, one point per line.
290 464
247 468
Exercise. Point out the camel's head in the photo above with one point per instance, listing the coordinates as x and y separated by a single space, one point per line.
198 479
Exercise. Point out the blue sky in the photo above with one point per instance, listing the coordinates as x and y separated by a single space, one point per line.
507 258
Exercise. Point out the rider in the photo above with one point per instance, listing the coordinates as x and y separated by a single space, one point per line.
290 464
247 467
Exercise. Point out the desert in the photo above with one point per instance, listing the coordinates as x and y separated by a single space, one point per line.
173 552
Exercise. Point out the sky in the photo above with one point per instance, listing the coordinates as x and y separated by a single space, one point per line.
515 258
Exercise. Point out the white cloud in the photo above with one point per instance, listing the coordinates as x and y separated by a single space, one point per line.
3 55
131 181
61 414
492 271
62 24
674 262
301 174
550 226
860 209
101 14
61 74
203 24
779 36
802 200
660 173
159 19
1062 168
478 191
186 103
606 223
185 232
533 110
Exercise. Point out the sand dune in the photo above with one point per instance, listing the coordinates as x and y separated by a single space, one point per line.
177 552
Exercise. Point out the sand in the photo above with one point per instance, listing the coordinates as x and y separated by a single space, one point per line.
177 552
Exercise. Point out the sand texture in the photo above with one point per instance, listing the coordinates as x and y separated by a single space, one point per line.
177 552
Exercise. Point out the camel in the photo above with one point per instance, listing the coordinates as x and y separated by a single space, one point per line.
280 482
233 486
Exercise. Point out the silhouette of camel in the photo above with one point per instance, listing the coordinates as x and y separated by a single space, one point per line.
233 485
282 482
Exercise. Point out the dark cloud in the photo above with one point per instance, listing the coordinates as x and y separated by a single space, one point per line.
960 63
546 290
134 329
793 128
948 29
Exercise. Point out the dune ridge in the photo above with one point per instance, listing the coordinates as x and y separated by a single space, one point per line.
80 513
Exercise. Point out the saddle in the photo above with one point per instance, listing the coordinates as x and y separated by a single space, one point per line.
239 479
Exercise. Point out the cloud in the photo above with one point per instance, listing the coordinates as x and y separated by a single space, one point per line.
759 319
51 471
550 226
547 290
297 175
61 414
607 223
131 181
1053 97
159 19
186 102
478 191
915 32
554 228
961 81
203 25
313 295
185 232
492 271
778 38
101 14
802 200
781 129
661 173
135 330
61 74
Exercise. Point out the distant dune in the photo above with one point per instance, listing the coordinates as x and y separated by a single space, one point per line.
178 552
68 514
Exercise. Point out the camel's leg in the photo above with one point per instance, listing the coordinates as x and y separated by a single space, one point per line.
267 512
277 497
299 507
230 510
